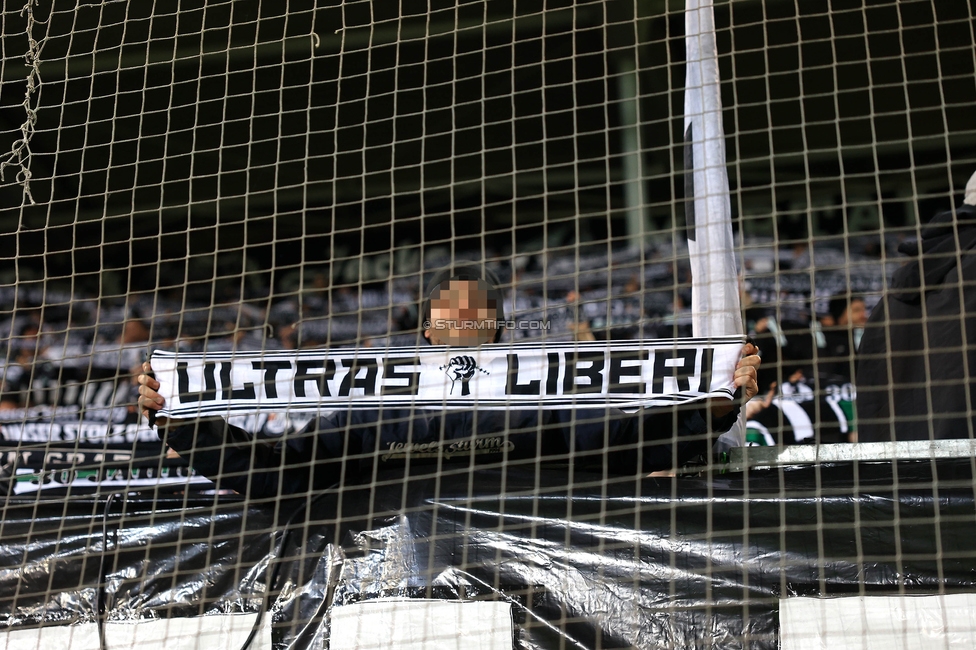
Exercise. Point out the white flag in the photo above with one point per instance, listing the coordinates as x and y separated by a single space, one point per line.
715 286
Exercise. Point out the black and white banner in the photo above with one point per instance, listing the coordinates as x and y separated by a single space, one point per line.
80 431
624 374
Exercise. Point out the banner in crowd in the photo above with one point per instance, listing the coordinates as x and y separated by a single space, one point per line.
623 374
69 385
77 470
82 431
70 401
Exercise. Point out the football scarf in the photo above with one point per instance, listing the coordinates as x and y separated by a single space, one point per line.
622 374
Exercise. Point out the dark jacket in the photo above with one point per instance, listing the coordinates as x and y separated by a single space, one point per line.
345 446
917 358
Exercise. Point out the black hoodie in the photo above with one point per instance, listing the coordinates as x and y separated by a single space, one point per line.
916 370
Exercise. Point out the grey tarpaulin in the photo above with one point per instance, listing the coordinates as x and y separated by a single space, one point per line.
690 562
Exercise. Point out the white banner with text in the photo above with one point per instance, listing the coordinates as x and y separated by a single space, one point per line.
624 374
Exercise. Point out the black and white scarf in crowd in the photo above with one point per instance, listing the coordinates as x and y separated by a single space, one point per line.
621 374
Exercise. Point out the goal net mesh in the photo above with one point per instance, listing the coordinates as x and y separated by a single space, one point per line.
249 182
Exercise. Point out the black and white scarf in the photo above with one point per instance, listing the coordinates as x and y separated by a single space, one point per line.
622 374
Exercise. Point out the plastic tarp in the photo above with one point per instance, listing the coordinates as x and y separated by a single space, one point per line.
709 561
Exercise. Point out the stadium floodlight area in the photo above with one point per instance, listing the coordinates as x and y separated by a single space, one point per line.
263 199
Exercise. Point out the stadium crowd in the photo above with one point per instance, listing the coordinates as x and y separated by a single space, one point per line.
807 332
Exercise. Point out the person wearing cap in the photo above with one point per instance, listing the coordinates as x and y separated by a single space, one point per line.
347 444
916 368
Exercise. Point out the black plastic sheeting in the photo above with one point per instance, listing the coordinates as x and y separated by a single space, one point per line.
687 562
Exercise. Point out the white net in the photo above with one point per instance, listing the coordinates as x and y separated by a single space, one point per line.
265 193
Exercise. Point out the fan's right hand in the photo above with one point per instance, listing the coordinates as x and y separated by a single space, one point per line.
150 400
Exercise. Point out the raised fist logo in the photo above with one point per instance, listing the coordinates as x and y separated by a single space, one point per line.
461 369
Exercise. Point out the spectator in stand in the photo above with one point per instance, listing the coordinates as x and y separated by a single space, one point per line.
842 330
821 350
917 360
578 324
27 350
811 364
763 328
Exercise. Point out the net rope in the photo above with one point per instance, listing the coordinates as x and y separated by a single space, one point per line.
244 184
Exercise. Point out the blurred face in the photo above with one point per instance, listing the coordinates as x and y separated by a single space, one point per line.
856 315
134 331
29 343
462 312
